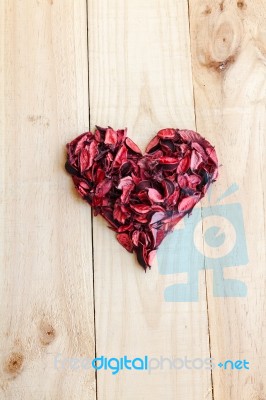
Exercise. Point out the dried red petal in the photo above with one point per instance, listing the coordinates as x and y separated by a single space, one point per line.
153 143
80 142
184 165
132 146
173 198
142 218
168 133
199 149
103 187
110 136
84 159
193 181
168 160
127 185
168 186
196 160
121 157
126 228
212 154
99 136
182 181
155 196
187 203
140 208
121 214
125 240
189 136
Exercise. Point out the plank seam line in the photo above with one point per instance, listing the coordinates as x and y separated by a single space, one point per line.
205 273
207 305
92 232
191 67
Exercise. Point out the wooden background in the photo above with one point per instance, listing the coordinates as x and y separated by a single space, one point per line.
67 286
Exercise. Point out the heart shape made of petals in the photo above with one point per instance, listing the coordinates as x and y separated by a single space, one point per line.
142 196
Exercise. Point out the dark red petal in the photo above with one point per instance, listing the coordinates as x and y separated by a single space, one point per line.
125 240
184 165
110 136
153 143
193 181
212 154
142 218
143 197
126 228
190 136
140 208
172 199
135 238
168 186
81 186
120 213
84 159
168 160
99 135
187 203
171 221
121 134
141 252
132 146
196 146
182 181
103 187
80 143
120 157
143 185
167 133
87 156
156 207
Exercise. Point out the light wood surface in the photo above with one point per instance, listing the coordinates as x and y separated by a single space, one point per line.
229 74
140 77
46 268
68 289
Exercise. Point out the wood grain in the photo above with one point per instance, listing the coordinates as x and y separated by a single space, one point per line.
67 287
229 70
140 77
46 270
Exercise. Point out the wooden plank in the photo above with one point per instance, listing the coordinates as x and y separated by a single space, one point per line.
229 64
46 270
140 77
